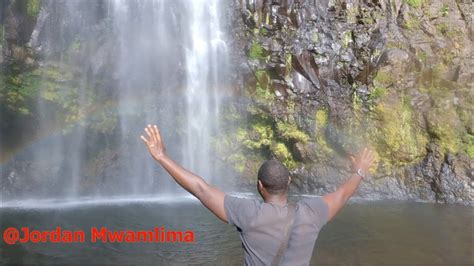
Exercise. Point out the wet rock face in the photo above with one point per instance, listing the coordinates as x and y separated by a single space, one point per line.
389 74
17 26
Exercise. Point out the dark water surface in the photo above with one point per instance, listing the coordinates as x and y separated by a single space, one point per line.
369 233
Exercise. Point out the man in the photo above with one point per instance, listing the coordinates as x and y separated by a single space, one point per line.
273 232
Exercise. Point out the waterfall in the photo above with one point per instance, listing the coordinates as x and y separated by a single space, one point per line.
152 35
202 98
164 62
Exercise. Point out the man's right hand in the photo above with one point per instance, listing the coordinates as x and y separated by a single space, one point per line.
337 199
210 196
154 143
363 161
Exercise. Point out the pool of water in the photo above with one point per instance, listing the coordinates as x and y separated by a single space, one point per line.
368 233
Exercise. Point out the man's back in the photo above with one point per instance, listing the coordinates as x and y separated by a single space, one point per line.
262 227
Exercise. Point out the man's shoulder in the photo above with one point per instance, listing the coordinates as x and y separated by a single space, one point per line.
240 210
312 202
318 208
231 199
310 199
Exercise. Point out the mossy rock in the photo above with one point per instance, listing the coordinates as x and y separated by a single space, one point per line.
283 154
258 136
397 135
323 149
289 131
445 127
33 7
321 118
256 51
448 119
470 145
415 3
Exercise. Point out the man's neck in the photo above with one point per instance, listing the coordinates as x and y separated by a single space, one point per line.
281 200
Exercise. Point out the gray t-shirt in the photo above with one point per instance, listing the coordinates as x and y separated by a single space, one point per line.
261 226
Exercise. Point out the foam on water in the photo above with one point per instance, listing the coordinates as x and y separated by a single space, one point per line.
94 201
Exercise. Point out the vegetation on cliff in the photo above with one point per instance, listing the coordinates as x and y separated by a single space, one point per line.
398 84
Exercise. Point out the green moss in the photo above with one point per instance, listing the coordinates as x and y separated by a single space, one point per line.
447 137
375 53
227 144
412 22
321 118
246 164
54 73
470 145
444 10
241 134
399 45
465 113
282 153
454 33
291 110
444 132
422 56
438 71
33 7
288 64
384 78
256 51
444 123
105 120
262 137
12 99
263 94
415 3
56 87
442 28
17 90
262 78
351 14
238 161
357 102
346 39
367 16
290 131
448 31
259 135
396 136
377 93
323 146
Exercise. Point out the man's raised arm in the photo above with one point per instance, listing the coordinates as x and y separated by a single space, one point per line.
209 195
336 200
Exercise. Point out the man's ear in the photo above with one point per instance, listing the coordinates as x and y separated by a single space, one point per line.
289 180
260 185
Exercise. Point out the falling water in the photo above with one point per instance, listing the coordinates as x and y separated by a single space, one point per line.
202 71
168 61
153 34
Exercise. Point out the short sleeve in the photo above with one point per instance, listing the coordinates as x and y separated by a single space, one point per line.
320 209
239 211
